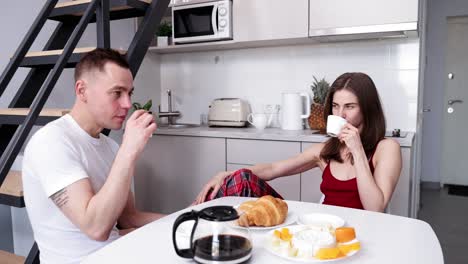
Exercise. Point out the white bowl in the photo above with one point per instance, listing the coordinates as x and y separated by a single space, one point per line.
317 219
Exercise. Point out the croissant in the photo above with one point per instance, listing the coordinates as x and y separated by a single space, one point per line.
265 211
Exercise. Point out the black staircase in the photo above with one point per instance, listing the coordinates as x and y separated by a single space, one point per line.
46 67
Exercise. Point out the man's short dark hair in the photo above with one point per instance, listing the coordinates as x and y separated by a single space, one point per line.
97 59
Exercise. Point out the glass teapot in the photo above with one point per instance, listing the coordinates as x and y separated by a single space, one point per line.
215 236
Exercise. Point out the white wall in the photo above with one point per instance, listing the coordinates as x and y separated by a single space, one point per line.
261 74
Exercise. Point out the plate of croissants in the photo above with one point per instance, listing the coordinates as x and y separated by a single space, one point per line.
266 212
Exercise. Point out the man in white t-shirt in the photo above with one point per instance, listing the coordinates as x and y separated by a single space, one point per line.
77 180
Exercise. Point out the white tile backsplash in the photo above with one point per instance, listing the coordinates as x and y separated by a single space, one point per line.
260 75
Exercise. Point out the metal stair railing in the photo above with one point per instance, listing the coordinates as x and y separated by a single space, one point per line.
103 25
142 39
31 93
26 44
14 147
33 255
33 81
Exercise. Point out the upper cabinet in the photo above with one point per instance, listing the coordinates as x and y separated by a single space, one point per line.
258 23
270 19
362 18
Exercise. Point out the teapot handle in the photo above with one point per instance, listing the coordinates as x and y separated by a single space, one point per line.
188 252
250 118
307 113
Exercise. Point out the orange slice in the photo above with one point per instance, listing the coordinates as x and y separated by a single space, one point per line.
277 234
283 234
346 248
328 253
344 234
285 231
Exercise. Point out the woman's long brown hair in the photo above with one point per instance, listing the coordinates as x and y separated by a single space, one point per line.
361 85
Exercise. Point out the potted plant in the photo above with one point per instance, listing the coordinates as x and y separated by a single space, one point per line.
320 91
164 34
147 106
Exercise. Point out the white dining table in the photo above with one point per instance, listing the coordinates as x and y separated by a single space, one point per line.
384 238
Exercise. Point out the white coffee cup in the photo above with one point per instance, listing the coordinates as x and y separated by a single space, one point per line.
258 120
334 125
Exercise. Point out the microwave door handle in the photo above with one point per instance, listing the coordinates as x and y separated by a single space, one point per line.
214 18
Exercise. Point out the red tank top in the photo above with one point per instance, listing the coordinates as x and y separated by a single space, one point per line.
341 193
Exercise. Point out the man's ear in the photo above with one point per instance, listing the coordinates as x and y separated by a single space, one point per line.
80 90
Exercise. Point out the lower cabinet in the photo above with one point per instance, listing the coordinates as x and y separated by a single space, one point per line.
172 170
288 187
400 204
243 153
310 181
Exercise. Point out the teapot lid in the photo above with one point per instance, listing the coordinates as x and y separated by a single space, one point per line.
219 213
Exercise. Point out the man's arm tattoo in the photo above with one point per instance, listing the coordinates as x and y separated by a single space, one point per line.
60 198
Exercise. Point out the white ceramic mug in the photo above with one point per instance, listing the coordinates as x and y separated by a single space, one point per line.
258 120
334 125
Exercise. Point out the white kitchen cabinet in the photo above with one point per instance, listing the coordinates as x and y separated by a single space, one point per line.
310 181
270 19
243 153
401 198
400 202
334 16
172 170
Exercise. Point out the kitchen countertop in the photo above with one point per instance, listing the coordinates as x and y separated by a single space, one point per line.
277 134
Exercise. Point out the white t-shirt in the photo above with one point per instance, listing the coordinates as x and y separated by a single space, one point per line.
58 155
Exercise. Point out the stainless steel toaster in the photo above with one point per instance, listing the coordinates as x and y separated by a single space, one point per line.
230 112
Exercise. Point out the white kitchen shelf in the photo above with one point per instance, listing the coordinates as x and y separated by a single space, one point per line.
229 44
232 45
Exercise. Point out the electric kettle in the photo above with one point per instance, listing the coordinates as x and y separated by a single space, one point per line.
215 236
292 110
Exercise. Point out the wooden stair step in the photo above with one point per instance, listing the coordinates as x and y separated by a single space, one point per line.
12 185
10 258
80 2
119 9
57 112
56 52
50 57
11 191
16 116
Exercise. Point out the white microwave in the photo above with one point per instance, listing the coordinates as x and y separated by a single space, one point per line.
201 20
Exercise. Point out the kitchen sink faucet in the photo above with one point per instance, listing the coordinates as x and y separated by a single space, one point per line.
169 114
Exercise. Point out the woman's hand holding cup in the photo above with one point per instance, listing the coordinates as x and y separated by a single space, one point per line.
344 131
351 137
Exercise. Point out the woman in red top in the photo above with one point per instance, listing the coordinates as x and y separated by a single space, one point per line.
360 167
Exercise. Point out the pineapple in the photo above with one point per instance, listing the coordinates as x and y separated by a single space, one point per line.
320 90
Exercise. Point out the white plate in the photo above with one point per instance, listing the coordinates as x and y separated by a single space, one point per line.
291 218
294 229
317 219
